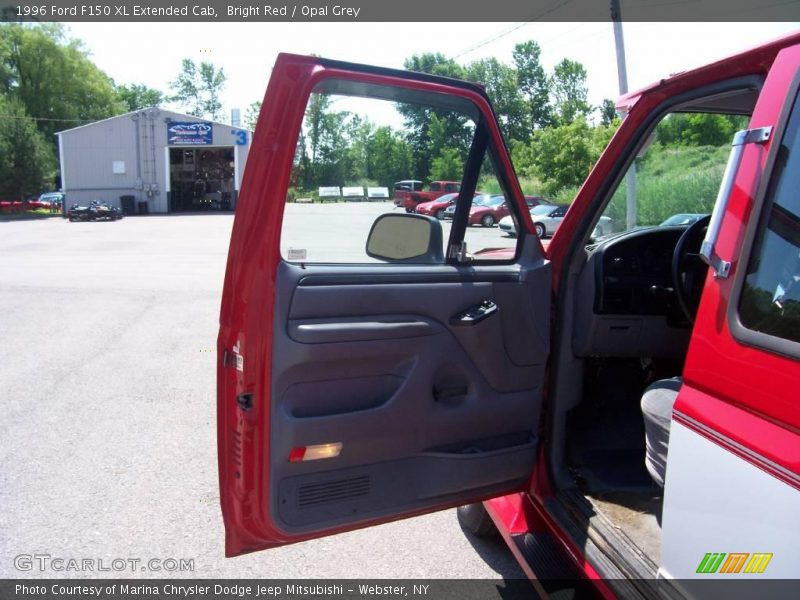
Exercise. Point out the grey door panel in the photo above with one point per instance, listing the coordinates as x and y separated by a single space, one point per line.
306 501
427 412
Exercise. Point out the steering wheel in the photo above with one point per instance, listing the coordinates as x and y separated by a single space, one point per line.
688 269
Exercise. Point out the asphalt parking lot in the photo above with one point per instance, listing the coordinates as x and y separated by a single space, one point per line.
108 434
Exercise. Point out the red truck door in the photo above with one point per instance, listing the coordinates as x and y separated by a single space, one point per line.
353 394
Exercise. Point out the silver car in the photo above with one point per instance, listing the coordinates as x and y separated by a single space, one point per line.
547 218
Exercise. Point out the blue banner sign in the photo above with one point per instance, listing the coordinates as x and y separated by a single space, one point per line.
190 133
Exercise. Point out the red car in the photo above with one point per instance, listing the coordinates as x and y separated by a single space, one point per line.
436 208
622 412
487 210
490 209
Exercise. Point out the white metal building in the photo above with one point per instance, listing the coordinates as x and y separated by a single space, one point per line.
159 161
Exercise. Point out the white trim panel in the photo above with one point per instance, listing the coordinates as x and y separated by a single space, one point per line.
714 501
63 166
167 174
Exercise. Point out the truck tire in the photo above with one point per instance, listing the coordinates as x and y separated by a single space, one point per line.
475 519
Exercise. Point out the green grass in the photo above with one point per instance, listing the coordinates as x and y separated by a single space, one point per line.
669 180
39 213
681 179
490 185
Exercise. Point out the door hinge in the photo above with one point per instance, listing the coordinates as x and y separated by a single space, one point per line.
721 267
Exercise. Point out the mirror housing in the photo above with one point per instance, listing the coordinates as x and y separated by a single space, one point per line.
406 238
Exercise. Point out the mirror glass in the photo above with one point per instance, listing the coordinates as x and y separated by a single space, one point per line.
398 237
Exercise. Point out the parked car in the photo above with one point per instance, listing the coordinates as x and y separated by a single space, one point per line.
436 208
684 219
623 413
486 210
52 200
509 225
532 201
547 217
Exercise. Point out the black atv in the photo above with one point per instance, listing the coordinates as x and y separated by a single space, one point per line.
96 211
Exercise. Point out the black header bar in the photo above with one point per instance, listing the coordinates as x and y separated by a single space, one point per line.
268 11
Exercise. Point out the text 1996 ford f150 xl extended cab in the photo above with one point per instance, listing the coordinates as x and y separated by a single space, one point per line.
625 407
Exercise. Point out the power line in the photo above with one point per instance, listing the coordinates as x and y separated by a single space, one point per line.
504 33
47 119
491 39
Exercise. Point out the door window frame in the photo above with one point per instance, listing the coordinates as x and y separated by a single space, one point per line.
759 213
482 146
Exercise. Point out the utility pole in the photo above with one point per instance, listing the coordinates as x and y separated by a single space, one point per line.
622 74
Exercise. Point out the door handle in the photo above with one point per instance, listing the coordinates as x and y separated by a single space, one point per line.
449 394
475 314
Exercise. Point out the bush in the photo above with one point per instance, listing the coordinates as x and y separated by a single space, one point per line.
673 180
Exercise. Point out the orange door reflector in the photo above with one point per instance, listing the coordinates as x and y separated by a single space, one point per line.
315 452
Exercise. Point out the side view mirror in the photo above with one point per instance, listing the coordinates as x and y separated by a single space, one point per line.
406 238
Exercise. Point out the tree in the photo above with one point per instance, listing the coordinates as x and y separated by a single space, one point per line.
568 87
251 115
560 156
359 131
212 81
137 96
456 130
699 129
199 88
434 64
53 78
27 161
314 121
501 83
447 166
388 157
533 84
608 111
48 84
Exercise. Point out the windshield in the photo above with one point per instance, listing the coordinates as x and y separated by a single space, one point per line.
495 201
484 200
682 219
542 210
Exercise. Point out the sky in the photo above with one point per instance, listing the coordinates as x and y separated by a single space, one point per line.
151 53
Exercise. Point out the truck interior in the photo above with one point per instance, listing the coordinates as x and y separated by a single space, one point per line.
623 324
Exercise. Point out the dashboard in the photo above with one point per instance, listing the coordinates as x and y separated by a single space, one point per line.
634 273
626 304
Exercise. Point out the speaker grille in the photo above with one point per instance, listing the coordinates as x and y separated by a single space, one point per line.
314 494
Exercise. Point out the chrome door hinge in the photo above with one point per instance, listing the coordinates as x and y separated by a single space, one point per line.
722 268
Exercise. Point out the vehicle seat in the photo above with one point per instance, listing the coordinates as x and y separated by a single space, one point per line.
657 402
